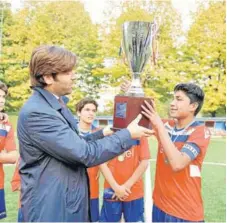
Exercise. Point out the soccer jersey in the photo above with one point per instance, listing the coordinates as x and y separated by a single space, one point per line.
92 171
15 182
123 166
179 193
7 143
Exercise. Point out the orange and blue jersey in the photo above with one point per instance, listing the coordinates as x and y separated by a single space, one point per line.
15 182
93 173
7 143
179 193
123 166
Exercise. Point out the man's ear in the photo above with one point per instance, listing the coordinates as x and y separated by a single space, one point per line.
48 79
78 114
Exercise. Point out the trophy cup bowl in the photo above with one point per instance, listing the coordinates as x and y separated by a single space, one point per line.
137 46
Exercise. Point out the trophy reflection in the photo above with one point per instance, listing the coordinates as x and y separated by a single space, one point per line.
137 45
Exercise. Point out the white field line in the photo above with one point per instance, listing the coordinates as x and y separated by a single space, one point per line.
207 163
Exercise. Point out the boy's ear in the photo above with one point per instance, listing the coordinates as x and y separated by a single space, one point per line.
194 106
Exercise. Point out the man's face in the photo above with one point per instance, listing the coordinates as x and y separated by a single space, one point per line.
62 84
180 107
88 113
2 99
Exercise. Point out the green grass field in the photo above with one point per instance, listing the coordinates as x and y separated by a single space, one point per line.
214 183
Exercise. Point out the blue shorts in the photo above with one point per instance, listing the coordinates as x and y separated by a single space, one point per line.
94 208
160 216
20 216
2 204
112 210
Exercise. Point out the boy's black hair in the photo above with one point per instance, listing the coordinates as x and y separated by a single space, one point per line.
194 92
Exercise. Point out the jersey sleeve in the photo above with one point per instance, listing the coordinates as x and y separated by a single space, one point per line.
197 142
10 144
144 151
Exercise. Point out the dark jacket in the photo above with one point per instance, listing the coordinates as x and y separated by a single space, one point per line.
54 158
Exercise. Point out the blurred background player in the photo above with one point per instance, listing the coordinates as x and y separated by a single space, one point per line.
124 189
8 153
86 111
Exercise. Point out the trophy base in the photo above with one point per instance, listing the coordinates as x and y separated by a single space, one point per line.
126 109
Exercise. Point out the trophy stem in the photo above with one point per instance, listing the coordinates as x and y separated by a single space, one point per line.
136 89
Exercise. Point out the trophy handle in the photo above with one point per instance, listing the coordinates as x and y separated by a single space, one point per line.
154 44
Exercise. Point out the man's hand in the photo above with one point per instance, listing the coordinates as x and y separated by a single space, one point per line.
137 131
107 131
121 192
150 112
125 86
4 117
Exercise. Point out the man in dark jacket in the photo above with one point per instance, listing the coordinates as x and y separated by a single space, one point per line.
54 157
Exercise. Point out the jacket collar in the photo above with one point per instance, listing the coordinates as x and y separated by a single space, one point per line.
50 98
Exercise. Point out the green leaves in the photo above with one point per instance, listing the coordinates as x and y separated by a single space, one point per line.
200 59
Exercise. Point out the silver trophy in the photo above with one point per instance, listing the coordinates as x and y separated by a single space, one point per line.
138 47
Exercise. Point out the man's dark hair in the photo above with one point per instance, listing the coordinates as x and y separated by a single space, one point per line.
3 87
80 105
194 93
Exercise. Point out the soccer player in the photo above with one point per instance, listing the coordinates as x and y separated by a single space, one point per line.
182 148
123 177
86 111
8 153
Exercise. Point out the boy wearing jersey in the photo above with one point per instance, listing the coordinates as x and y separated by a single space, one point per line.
86 111
181 151
123 177
8 153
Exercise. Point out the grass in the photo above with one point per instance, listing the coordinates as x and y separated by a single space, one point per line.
213 187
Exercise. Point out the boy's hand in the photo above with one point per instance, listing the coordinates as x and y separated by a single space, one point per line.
107 131
4 117
121 192
125 86
150 112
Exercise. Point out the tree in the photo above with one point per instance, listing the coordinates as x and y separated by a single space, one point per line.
66 24
206 51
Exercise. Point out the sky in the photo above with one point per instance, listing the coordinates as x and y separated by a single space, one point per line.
96 8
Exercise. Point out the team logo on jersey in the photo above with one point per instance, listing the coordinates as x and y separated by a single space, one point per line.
126 154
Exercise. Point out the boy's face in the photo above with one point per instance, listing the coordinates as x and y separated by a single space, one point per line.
2 99
180 107
88 113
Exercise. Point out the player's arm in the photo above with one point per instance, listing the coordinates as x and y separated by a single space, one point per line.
8 157
120 190
4 117
137 173
9 154
178 160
